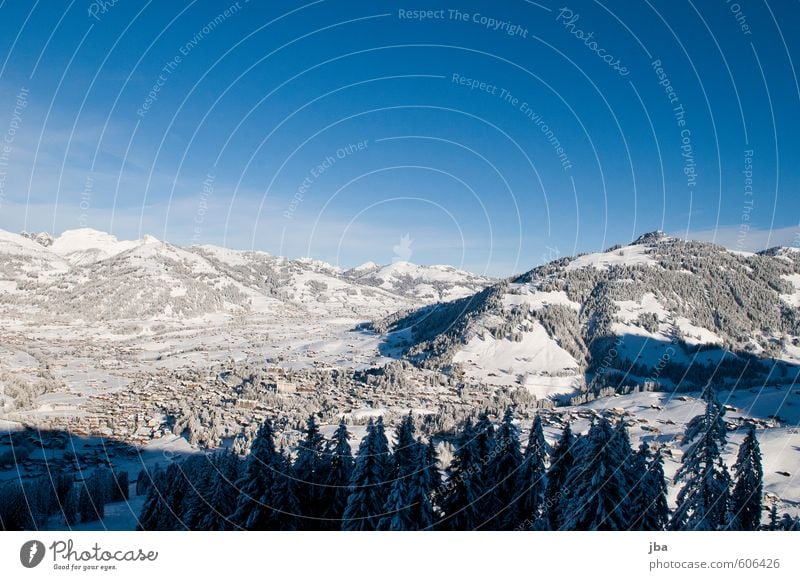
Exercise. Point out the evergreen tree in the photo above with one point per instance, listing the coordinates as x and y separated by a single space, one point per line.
397 515
749 487
596 487
64 485
15 512
789 524
532 481
143 481
120 490
339 472
221 493
254 504
408 506
404 446
704 499
649 495
199 473
487 449
365 504
420 490
504 470
462 492
163 507
93 496
623 457
310 467
773 525
69 507
285 504
561 464
435 478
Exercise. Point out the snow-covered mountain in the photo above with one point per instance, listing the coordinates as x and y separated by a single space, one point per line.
657 313
425 283
86 246
90 275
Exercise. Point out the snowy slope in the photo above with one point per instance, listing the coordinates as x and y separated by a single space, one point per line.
22 258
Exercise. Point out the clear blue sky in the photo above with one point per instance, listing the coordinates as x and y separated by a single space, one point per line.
239 124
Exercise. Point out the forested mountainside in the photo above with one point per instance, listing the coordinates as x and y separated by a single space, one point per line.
659 311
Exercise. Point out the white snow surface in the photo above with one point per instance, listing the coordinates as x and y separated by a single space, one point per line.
86 245
533 362
627 256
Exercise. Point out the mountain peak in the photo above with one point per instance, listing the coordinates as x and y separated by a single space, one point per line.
653 237
86 245
42 238
366 267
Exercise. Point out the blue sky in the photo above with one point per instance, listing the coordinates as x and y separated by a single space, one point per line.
494 136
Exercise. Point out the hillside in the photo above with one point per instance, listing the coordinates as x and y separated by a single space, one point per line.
658 313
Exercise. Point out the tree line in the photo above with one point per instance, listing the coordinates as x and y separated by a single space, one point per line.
594 481
71 499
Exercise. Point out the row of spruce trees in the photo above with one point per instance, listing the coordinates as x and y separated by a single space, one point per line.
66 497
594 481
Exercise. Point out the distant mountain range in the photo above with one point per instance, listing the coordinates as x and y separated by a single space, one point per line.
658 312
90 275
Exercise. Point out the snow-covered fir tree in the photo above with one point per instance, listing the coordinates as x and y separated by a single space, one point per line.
487 450
339 472
311 467
532 480
404 450
504 471
285 514
650 511
462 490
253 507
704 499
222 492
561 463
369 482
596 491
163 506
409 506
749 487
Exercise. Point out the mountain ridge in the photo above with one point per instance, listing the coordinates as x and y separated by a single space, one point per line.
92 275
